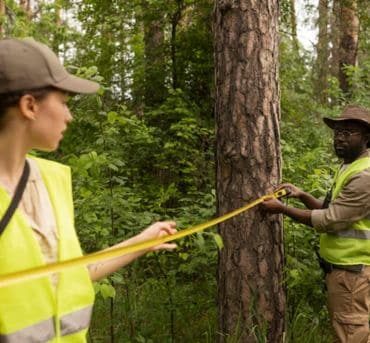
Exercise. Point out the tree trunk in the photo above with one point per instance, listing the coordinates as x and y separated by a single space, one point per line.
58 23
322 48
2 18
293 24
348 44
155 90
26 6
334 38
251 295
174 23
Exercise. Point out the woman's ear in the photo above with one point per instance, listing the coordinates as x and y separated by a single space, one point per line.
28 106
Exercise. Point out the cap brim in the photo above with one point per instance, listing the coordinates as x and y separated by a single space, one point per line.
74 84
331 122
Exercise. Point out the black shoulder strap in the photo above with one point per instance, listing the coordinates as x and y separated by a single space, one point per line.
16 198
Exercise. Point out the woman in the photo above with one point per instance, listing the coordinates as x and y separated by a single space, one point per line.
34 115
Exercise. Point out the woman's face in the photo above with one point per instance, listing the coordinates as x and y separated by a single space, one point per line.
51 118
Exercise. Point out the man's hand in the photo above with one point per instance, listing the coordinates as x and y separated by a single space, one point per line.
273 205
292 191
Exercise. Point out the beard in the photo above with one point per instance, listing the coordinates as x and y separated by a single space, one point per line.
348 154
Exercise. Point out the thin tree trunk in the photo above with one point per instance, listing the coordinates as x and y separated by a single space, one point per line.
322 48
251 296
2 17
155 89
334 37
58 22
348 45
293 24
174 22
26 6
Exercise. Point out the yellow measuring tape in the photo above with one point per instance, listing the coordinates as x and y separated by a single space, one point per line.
37 272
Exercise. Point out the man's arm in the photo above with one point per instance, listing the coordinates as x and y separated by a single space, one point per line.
351 204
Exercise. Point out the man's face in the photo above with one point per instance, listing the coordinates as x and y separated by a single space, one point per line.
350 139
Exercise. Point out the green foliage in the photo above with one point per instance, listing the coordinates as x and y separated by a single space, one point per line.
135 162
359 80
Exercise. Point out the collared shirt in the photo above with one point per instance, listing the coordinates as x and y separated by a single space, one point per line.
36 207
351 205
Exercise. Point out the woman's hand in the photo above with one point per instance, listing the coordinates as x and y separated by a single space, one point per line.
157 230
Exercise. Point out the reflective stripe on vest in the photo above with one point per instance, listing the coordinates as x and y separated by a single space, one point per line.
40 332
352 233
75 321
44 331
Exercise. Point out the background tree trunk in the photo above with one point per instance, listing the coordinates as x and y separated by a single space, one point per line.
26 6
322 48
155 89
348 45
175 19
251 295
293 24
334 38
2 18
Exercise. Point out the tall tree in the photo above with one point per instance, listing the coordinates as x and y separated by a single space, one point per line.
251 295
175 19
155 75
2 17
334 38
348 40
293 24
322 49
26 6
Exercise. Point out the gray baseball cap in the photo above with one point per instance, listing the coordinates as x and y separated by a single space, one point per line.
26 64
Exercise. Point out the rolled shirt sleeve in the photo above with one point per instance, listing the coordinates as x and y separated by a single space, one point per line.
351 205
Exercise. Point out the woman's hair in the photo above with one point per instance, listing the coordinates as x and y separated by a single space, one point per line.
8 100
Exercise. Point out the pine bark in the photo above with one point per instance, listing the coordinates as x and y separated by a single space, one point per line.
251 296
348 41
322 48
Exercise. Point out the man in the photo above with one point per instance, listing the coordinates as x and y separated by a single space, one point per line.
343 220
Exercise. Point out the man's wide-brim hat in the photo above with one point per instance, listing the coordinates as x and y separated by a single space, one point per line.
351 113
26 64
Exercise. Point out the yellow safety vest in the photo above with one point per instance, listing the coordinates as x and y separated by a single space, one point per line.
352 245
33 311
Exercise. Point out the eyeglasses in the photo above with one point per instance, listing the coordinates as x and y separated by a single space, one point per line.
345 133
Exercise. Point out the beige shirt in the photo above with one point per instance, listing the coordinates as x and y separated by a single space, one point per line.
36 207
351 205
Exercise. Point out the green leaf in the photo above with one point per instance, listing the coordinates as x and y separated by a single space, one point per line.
219 241
107 291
